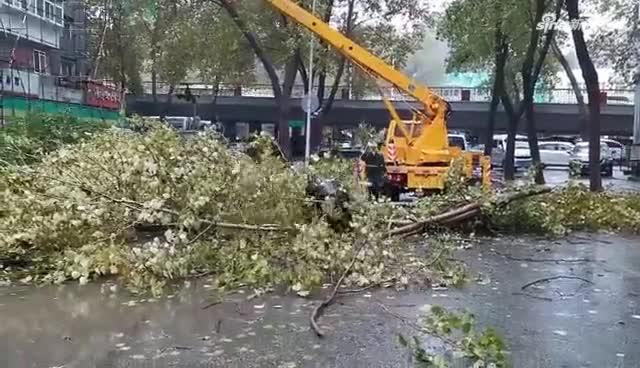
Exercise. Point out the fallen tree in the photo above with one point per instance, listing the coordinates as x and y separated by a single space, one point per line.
154 207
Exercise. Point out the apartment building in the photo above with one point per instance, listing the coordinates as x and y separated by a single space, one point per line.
44 58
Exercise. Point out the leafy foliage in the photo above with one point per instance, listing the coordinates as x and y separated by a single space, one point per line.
220 54
114 42
574 208
617 45
156 207
26 139
483 348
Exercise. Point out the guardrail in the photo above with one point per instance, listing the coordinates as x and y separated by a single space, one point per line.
451 94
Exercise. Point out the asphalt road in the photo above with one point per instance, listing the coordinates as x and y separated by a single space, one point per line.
619 181
559 323
560 176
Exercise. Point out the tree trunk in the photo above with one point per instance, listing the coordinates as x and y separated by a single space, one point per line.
214 103
491 125
512 129
290 72
154 60
582 106
530 75
303 71
501 54
322 73
267 63
590 75
100 49
169 102
327 104
154 85
532 132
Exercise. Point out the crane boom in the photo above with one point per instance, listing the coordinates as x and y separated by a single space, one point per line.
418 154
360 55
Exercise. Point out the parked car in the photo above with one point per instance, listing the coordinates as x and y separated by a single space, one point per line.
562 138
522 156
555 153
346 153
617 150
579 161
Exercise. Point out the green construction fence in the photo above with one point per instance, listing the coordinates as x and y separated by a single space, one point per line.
15 106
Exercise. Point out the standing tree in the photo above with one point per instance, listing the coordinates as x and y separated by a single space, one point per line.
114 43
531 71
590 75
221 55
168 39
253 21
575 86
280 43
506 37
618 46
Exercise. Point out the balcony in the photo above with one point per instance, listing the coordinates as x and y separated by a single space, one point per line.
47 10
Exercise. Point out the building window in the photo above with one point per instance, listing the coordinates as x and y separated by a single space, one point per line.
39 61
48 10
67 31
67 68
51 10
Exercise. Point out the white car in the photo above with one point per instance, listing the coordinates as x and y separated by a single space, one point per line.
616 148
522 156
555 153
579 161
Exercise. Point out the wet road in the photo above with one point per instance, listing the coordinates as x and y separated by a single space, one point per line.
560 323
560 176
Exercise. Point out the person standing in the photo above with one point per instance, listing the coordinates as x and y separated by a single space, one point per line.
375 169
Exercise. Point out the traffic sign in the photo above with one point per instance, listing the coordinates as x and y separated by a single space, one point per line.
315 103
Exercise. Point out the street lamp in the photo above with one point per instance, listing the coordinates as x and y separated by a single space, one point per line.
307 150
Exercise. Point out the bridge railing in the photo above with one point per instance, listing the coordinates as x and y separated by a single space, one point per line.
451 94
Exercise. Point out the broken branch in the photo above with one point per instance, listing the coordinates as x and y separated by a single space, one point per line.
462 214
317 310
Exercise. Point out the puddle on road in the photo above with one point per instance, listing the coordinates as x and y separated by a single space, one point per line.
104 326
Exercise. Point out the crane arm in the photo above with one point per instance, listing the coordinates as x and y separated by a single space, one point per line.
359 55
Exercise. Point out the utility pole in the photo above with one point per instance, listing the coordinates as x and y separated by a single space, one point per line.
634 158
307 131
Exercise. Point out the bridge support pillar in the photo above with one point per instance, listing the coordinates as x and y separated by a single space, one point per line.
255 127
230 130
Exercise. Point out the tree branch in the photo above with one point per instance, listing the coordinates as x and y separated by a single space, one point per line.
251 38
317 310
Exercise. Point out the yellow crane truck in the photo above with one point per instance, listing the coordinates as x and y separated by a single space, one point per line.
417 151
